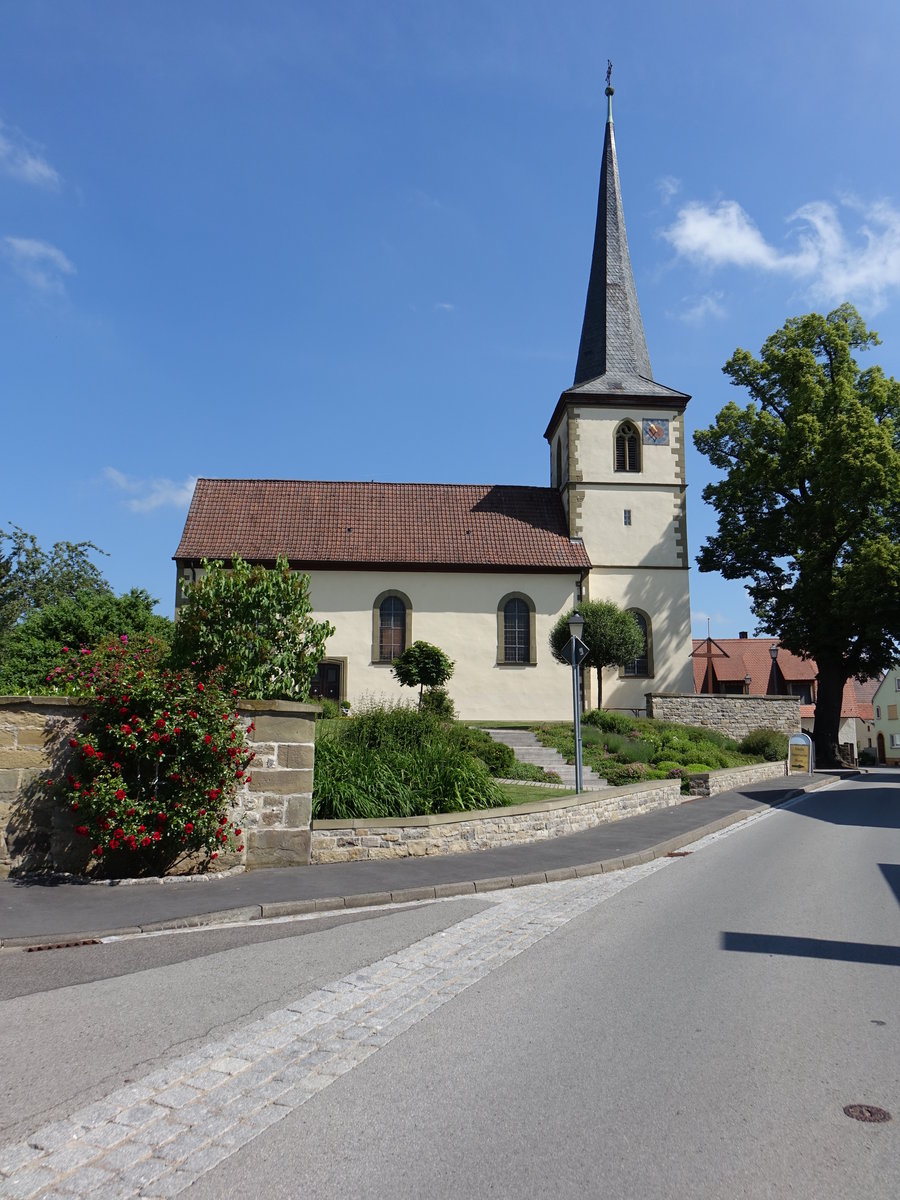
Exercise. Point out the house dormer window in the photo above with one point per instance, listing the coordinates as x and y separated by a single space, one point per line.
628 448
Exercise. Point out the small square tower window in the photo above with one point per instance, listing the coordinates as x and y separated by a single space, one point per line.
627 516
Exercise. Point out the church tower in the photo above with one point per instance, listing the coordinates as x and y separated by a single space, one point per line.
617 456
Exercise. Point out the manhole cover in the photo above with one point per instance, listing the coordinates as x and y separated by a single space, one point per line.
867 1112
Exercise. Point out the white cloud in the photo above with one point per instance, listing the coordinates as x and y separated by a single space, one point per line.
38 263
19 161
444 306
668 187
697 309
862 264
149 494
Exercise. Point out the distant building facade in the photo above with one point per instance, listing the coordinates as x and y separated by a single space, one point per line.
746 666
886 703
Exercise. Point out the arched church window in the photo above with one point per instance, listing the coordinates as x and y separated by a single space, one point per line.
628 447
391 618
642 666
515 629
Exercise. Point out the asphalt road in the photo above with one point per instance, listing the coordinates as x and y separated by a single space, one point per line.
691 1028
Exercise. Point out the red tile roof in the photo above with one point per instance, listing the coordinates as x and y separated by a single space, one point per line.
380 524
735 658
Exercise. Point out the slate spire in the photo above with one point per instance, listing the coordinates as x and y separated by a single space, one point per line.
612 336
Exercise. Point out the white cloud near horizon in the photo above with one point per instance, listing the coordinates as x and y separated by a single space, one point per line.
834 264
146 495
19 161
39 264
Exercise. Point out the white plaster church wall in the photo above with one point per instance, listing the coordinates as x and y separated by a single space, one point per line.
458 612
663 596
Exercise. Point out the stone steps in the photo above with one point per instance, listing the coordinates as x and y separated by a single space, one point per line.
527 748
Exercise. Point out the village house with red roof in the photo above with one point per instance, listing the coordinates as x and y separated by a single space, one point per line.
745 666
485 571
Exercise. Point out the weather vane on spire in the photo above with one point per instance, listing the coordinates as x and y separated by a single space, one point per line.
608 71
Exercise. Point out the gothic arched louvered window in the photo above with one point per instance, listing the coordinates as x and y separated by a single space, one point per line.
628 448
391 628
640 666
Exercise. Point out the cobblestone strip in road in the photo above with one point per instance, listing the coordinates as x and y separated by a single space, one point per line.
155 1137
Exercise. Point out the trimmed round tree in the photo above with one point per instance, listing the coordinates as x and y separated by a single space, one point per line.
611 634
423 666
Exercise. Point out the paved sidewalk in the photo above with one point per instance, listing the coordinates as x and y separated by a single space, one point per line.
40 913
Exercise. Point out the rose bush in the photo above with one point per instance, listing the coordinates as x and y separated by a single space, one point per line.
156 761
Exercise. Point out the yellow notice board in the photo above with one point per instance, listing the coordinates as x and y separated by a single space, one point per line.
799 758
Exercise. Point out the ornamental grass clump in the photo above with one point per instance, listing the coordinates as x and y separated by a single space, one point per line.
155 763
395 761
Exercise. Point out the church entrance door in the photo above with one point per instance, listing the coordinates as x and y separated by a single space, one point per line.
327 683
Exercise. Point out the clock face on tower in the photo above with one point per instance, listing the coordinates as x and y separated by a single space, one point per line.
655 431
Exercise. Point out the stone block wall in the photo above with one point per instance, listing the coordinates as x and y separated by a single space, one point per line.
457 833
735 716
274 808
35 832
710 783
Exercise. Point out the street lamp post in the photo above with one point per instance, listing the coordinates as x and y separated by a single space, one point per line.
773 651
576 628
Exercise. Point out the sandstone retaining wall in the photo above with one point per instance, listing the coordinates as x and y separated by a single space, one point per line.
735 716
457 833
710 783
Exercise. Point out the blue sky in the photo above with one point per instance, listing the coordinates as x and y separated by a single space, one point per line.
351 240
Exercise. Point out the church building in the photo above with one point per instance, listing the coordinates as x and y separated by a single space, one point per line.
484 571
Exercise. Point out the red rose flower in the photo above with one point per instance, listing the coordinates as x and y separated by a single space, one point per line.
156 835
120 795
82 831
188 827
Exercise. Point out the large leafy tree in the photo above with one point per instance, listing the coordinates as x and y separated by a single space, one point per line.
30 651
255 622
31 577
809 502
611 634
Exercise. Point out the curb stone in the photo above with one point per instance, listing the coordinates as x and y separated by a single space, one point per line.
289 908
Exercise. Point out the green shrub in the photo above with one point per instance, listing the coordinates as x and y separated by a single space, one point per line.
609 722
437 700
668 767
496 756
695 769
766 743
619 774
331 710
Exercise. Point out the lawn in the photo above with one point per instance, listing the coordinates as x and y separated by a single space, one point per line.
520 793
